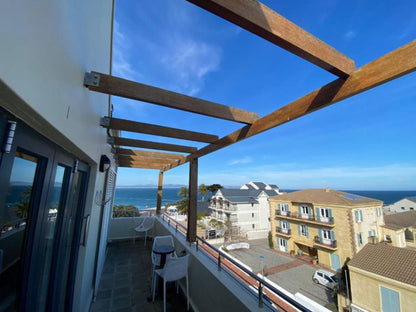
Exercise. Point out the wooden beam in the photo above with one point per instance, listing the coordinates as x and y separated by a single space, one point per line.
151 145
162 161
130 152
137 91
266 23
159 193
134 126
386 68
193 200
139 166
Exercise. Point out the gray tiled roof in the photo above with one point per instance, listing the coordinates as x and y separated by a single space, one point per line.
244 196
392 262
401 219
413 198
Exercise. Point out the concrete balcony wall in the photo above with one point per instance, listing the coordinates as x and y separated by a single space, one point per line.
210 289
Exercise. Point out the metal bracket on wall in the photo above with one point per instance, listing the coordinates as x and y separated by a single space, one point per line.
91 80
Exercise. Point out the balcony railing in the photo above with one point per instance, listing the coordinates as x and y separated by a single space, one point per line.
283 230
305 217
327 242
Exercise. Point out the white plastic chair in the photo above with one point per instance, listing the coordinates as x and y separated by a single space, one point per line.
145 226
161 241
174 270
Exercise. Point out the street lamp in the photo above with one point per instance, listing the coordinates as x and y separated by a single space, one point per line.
262 265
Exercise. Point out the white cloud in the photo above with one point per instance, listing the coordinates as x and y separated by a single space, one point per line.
349 35
121 65
239 161
189 61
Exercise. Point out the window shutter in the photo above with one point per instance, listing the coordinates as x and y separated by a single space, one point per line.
286 247
280 223
332 235
317 216
330 212
307 231
320 233
361 216
310 212
356 216
299 230
299 211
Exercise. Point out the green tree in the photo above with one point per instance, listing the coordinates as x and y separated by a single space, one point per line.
182 205
22 207
183 191
203 190
214 187
270 238
120 211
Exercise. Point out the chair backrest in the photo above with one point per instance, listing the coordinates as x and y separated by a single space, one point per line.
166 240
175 268
148 222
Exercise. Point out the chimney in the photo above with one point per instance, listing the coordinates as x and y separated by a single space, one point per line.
327 189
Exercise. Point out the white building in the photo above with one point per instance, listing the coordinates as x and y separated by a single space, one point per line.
246 208
405 204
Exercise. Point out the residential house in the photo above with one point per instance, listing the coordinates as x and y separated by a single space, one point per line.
324 223
383 278
405 204
400 228
246 208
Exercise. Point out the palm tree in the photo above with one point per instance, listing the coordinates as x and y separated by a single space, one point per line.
183 191
203 190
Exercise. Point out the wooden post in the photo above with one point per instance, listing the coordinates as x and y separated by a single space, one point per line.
159 193
193 199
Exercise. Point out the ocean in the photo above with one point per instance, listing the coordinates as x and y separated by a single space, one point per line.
144 198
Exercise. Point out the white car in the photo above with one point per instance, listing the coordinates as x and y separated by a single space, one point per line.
326 278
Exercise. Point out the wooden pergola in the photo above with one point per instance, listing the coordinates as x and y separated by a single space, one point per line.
264 22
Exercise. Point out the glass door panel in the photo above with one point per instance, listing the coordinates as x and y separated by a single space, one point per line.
54 209
14 221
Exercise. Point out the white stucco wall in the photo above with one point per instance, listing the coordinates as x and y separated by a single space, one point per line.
46 47
400 206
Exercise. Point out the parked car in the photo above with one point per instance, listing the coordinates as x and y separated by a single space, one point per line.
326 278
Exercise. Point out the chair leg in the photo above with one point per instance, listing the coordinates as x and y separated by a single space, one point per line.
187 292
164 295
154 287
145 238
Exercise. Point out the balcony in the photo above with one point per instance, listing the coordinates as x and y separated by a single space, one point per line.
125 282
326 243
283 231
290 215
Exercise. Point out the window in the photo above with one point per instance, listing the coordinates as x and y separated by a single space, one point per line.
305 210
252 215
283 207
359 239
252 226
403 208
378 211
372 233
303 230
358 216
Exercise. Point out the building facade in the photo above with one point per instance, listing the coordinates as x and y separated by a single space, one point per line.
325 224
405 204
383 278
246 208
400 229
51 146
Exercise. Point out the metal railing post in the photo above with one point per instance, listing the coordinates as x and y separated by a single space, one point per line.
219 261
260 295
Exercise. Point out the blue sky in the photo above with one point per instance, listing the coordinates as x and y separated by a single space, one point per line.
363 143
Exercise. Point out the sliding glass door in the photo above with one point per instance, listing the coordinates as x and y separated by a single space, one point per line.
42 199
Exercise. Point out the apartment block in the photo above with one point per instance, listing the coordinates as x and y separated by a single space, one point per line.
328 224
246 208
383 278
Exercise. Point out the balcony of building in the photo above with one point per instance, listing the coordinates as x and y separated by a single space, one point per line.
217 282
311 219
325 243
283 231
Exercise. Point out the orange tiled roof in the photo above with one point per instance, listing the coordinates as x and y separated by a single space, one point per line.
392 262
327 196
